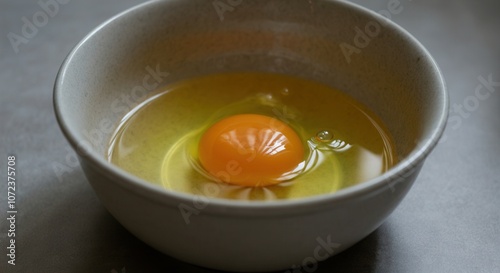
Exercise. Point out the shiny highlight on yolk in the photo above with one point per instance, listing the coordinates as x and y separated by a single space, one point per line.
250 150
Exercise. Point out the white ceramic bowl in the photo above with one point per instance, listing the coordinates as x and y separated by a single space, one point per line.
333 42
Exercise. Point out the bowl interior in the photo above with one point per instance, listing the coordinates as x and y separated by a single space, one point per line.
332 42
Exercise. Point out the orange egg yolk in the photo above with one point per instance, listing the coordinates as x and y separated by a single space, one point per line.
250 150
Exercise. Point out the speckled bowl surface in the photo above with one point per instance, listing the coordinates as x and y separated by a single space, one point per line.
332 42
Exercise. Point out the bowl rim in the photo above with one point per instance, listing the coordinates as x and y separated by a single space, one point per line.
158 194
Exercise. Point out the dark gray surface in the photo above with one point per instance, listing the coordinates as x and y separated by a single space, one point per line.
449 222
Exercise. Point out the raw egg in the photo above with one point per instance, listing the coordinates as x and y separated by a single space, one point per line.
251 136
250 150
